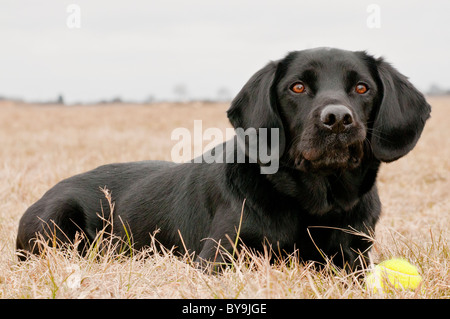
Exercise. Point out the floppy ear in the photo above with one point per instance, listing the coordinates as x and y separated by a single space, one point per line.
401 115
255 106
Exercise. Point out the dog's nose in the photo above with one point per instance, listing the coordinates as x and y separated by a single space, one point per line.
337 118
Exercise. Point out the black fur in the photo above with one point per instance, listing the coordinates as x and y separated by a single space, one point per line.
324 186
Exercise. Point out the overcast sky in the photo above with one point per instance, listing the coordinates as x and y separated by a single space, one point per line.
140 48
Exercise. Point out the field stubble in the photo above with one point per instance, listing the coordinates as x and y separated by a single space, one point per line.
42 144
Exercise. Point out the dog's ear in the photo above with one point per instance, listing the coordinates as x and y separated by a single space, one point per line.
401 116
256 106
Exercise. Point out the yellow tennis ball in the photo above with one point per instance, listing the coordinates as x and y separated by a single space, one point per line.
394 273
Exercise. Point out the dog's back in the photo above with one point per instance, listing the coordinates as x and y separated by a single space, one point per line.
62 210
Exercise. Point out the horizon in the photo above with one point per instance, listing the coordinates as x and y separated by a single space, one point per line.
100 51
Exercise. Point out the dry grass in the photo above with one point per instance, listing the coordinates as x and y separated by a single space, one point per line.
41 145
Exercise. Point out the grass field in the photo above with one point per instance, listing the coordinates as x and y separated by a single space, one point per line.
42 144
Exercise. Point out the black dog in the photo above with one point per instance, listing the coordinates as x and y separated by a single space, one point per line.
339 114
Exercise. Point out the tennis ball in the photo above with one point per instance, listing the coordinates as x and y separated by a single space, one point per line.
393 273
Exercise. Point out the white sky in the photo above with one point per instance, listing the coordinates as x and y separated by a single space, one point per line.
137 48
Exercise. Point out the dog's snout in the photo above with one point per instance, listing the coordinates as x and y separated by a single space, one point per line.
337 118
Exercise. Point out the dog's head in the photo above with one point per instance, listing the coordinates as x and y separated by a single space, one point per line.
331 107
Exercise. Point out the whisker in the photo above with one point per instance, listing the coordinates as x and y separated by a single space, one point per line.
373 132
369 144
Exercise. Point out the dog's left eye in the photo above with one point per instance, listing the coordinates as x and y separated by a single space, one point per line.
361 88
298 87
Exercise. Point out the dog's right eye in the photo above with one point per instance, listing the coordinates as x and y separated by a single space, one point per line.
298 87
361 88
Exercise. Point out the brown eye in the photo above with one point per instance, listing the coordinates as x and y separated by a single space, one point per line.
361 88
298 87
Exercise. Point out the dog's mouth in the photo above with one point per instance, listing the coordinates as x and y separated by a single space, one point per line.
331 158
325 151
